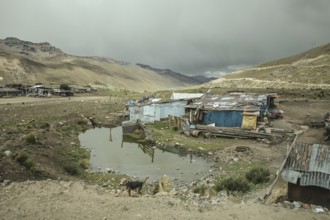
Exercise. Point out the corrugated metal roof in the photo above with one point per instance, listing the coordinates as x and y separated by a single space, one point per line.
232 101
148 113
176 96
312 161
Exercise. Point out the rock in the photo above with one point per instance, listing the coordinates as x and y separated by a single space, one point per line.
287 204
108 170
6 182
297 204
306 206
242 148
318 209
8 153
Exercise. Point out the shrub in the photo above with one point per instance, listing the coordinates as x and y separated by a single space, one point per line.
81 122
85 164
71 169
30 138
28 164
200 190
258 175
22 158
45 126
65 87
230 184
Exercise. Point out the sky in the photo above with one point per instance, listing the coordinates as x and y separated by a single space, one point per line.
193 37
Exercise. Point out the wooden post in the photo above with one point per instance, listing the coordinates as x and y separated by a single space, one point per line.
269 192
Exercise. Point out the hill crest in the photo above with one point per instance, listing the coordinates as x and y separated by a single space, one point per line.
27 62
310 69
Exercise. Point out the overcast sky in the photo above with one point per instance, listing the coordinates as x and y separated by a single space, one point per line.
188 36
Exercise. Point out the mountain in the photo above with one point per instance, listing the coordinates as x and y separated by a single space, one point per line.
193 80
29 63
305 70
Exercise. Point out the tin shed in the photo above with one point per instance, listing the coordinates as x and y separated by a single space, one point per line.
232 110
307 171
151 112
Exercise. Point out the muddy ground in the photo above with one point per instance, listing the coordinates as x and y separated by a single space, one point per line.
42 165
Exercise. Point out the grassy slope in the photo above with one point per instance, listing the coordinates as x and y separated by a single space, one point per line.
59 68
310 67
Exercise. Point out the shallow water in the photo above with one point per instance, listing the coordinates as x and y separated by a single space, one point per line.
110 151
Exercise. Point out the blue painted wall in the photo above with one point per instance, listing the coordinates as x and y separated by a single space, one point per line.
223 118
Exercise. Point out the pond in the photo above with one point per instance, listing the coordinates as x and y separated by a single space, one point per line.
109 151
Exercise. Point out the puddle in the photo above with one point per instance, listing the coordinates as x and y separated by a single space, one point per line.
110 151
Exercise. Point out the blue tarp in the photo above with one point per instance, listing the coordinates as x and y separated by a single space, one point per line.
223 118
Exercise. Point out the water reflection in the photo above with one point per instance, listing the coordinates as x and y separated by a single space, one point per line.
110 151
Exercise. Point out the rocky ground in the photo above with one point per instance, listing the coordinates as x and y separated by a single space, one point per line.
41 187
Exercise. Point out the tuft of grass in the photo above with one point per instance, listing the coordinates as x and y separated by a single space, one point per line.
71 169
233 184
30 139
258 175
24 160
85 164
170 203
200 190
45 126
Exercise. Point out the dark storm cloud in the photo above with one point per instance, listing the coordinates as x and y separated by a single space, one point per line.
188 36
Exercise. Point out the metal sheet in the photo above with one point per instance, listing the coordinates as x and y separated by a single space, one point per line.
290 176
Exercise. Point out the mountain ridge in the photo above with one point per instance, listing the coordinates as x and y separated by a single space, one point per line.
24 61
309 69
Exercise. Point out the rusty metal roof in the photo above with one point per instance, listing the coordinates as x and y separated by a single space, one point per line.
232 101
310 163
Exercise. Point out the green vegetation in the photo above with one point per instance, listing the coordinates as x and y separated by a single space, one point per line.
85 164
161 131
65 87
71 168
25 161
30 139
231 184
200 190
243 181
258 175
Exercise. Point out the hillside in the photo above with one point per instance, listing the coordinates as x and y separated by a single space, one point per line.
29 63
171 74
310 69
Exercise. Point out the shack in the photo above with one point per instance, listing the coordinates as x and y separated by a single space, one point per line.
233 110
307 171
6 92
155 111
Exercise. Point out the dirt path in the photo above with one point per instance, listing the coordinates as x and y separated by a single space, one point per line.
25 99
76 200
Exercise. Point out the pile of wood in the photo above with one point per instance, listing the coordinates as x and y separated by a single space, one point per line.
233 132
